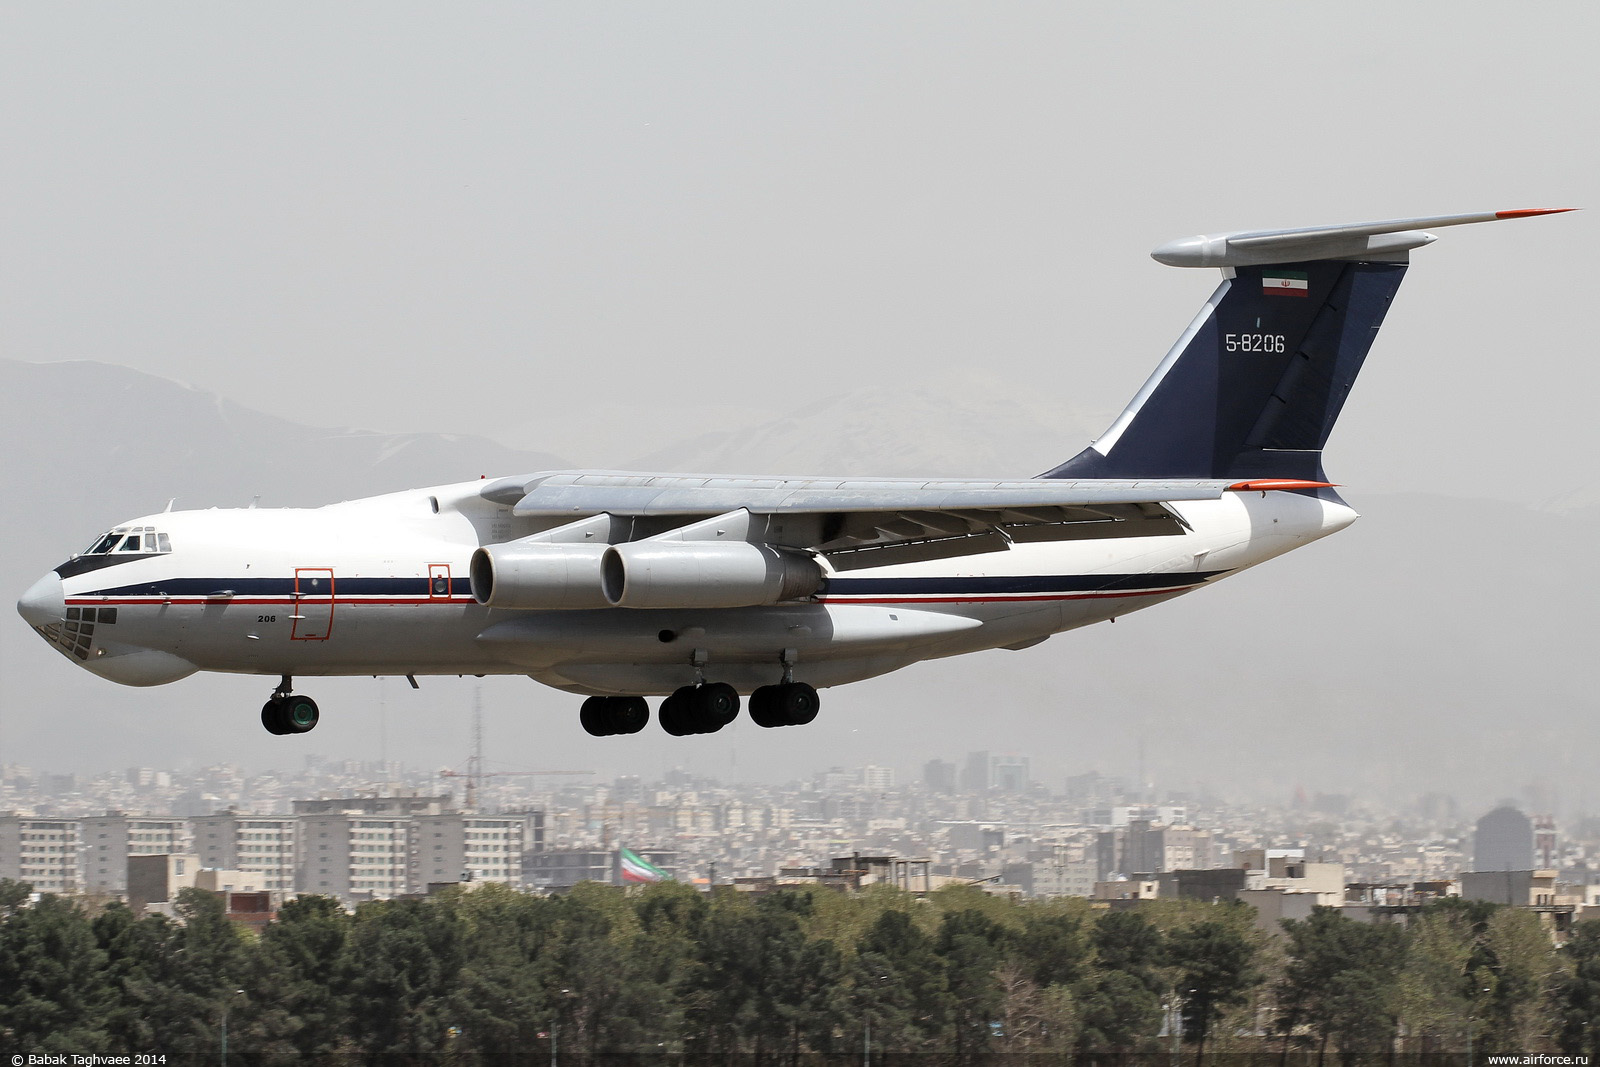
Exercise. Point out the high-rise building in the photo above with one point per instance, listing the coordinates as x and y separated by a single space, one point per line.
975 776
1009 774
939 776
877 779
1503 841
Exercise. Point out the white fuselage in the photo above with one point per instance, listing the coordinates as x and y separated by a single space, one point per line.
380 587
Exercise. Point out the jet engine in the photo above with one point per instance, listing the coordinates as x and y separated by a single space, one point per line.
538 576
705 574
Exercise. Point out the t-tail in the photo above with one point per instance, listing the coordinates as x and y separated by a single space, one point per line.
1252 388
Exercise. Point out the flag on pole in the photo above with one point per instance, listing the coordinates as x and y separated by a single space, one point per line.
635 869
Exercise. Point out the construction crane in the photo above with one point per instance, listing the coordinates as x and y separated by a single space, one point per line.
474 774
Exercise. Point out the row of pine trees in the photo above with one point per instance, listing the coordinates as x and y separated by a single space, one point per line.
665 972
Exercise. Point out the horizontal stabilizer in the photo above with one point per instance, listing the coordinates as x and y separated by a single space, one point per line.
1250 248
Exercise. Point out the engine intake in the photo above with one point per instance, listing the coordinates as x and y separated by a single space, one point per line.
701 574
538 576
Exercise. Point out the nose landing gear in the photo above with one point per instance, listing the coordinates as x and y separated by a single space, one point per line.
287 713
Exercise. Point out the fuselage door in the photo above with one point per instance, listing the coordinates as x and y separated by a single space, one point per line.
313 604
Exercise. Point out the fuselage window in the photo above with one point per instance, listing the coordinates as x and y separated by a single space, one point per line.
149 542
165 543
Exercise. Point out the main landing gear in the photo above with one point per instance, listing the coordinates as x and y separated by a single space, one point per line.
702 709
602 716
287 713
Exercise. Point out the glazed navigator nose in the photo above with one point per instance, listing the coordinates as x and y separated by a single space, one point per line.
44 603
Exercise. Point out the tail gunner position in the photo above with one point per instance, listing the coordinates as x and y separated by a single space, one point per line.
706 589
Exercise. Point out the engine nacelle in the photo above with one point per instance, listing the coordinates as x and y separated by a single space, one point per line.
705 574
538 576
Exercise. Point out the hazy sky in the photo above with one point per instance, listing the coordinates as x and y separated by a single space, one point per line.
596 229
592 224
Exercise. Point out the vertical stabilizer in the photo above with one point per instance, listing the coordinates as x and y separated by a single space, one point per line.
1252 388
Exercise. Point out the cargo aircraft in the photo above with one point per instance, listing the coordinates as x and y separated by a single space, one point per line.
705 589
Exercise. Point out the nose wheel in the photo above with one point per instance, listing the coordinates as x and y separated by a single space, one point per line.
289 713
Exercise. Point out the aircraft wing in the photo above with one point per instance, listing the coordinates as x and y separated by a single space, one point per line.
867 522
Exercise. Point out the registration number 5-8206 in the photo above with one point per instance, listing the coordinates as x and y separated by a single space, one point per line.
1254 342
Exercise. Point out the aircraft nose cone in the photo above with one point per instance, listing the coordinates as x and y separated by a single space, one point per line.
43 604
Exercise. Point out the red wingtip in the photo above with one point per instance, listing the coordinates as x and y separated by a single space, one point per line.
1525 212
1264 484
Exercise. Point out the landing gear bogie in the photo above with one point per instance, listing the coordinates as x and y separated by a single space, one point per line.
699 709
604 716
786 704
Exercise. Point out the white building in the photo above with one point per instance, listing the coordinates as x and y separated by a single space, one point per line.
355 856
877 779
261 844
1066 878
469 847
108 840
41 852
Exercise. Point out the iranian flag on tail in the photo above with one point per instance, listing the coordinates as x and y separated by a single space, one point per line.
635 869
1285 283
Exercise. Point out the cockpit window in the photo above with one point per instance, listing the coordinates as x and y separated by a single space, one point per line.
142 539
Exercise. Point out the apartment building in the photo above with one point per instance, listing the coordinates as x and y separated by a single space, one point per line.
109 840
41 852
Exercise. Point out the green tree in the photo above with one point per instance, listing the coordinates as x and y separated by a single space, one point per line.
1117 1013
1520 969
301 972
405 957
1489 971
500 1002
972 946
1342 980
599 986
144 1005
1435 996
1050 946
13 894
52 990
898 987
1126 941
1578 993
1216 969
743 989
